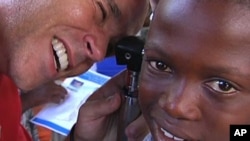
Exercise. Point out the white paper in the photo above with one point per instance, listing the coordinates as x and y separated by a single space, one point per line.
61 117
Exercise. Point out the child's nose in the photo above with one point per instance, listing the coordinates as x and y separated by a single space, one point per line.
181 104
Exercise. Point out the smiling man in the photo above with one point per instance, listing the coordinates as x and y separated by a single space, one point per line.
43 40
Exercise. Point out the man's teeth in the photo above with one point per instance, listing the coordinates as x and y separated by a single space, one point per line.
60 55
170 135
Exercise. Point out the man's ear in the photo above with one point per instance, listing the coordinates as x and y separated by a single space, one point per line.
153 4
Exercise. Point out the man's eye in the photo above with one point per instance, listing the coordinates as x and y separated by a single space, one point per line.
159 65
221 86
102 9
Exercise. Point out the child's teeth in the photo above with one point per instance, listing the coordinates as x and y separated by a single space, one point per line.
166 133
178 139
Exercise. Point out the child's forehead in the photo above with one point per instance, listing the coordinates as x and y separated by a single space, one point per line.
229 19
192 27
213 8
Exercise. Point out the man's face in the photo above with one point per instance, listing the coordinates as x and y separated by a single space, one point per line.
56 38
195 75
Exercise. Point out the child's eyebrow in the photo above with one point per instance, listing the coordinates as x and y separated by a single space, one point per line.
226 70
156 48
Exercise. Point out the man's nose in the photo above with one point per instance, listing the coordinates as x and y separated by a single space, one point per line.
181 103
95 48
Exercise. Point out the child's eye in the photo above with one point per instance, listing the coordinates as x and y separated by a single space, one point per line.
221 86
159 65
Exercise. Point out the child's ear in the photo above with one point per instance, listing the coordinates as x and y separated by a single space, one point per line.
153 4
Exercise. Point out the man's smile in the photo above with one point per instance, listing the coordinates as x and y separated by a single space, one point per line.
60 55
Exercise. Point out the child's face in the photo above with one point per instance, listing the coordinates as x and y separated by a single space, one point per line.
195 79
